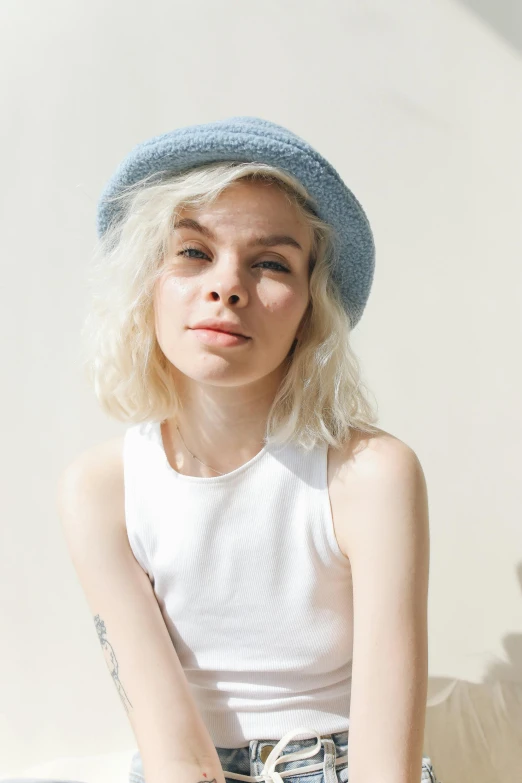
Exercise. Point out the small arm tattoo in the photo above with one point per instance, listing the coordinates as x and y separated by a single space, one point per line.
110 659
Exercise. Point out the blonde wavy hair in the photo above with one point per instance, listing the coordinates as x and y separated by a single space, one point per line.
321 397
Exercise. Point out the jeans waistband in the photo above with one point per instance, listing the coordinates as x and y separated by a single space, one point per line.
269 774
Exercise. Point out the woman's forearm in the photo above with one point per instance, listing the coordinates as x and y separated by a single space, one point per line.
188 772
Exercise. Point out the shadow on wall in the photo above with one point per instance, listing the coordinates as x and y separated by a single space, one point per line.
474 730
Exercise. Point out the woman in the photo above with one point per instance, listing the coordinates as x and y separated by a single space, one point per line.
255 550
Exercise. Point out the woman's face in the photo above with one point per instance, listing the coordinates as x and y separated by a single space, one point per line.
224 271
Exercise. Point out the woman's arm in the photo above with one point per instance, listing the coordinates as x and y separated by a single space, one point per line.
384 528
173 740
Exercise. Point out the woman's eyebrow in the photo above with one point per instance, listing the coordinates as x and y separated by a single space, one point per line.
267 241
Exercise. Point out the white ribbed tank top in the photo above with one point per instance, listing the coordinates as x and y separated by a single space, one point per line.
253 587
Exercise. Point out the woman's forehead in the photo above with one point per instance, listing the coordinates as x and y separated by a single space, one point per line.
244 211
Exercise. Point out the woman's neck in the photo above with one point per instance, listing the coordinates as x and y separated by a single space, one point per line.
186 457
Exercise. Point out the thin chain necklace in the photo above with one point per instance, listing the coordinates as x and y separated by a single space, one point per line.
193 455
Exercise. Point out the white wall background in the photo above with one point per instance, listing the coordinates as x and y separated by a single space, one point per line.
504 16
418 105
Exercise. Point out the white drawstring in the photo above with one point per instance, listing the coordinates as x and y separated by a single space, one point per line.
270 774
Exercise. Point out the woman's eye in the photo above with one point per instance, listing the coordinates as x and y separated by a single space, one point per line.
190 250
195 250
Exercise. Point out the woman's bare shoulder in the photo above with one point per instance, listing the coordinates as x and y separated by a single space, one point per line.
361 445
98 469
104 455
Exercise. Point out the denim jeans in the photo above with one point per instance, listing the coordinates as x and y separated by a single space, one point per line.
327 763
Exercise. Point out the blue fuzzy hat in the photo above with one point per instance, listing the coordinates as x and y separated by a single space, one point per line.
252 139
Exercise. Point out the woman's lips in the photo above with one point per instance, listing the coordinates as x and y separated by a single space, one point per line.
216 337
